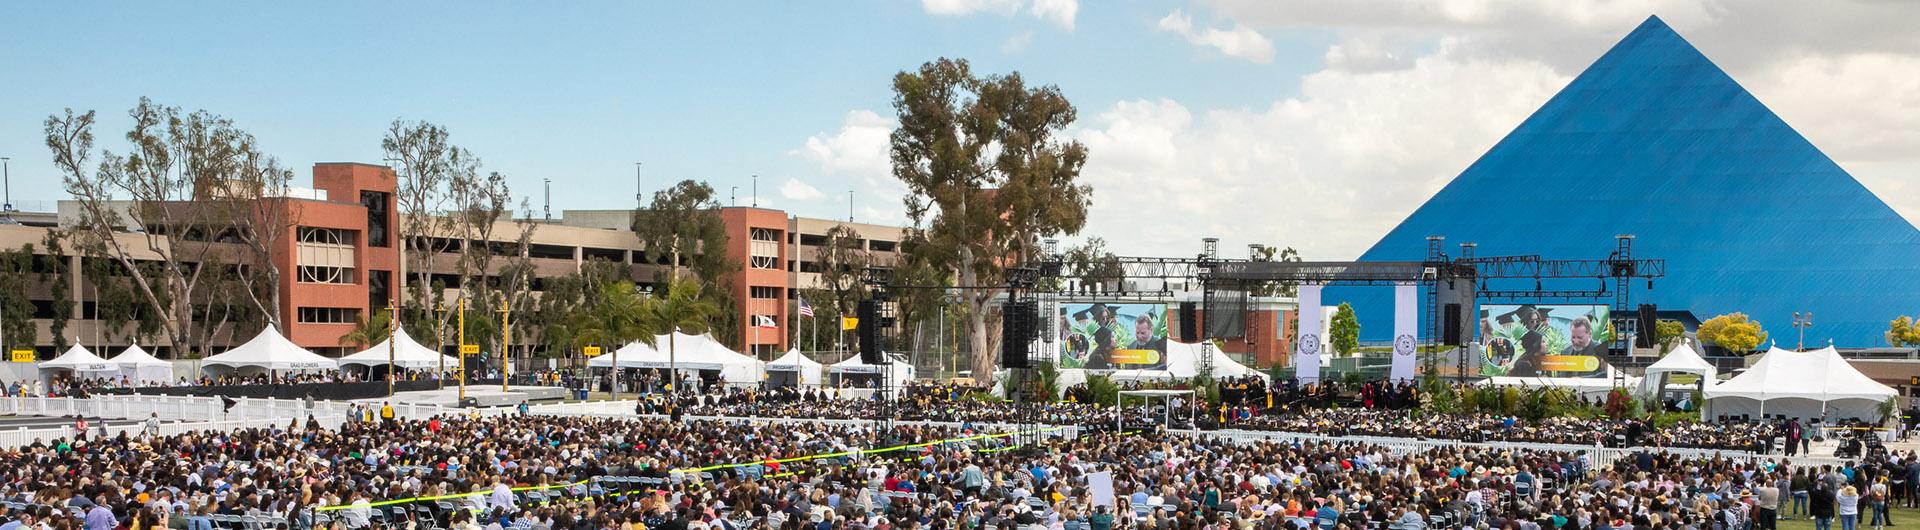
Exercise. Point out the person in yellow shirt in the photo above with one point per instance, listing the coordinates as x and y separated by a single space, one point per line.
386 412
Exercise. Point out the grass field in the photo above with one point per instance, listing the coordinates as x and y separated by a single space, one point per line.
1902 518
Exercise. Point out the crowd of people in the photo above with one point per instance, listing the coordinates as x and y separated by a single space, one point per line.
557 472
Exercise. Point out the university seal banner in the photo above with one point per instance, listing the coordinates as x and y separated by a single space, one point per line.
1406 320
1306 350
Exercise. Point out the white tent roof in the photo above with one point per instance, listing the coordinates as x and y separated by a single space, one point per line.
1684 360
793 361
79 359
688 352
136 357
1819 375
271 351
407 353
852 365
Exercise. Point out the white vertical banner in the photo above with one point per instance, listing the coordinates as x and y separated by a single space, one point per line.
1306 350
1101 486
1406 338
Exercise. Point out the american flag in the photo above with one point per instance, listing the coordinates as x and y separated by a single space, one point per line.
805 310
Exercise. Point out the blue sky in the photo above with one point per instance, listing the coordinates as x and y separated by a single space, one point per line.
575 92
1317 124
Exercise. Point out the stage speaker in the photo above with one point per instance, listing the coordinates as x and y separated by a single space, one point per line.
1647 322
1015 334
1189 323
869 314
1450 324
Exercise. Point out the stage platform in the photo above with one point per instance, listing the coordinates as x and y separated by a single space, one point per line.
487 396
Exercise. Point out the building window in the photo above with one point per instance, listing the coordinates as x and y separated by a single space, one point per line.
376 203
881 246
328 315
324 236
765 293
317 274
812 240
762 234
379 290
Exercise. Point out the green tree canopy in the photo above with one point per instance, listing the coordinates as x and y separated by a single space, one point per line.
1346 330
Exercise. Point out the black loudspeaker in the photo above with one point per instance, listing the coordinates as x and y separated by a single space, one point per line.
869 314
1016 334
1450 325
1189 323
1647 323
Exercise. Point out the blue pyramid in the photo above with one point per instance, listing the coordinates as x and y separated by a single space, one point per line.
1655 140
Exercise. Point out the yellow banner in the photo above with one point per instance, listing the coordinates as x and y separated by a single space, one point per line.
849 323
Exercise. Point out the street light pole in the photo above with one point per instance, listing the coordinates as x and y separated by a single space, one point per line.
463 347
1802 322
393 326
6 180
505 336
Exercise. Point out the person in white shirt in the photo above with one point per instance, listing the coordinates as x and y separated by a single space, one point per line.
359 514
502 496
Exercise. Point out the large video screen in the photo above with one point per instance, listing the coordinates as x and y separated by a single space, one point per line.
1103 336
1537 340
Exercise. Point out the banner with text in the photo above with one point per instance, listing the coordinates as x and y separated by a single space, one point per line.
1406 319
1306 351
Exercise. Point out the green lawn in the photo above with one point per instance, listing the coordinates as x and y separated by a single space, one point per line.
1902 518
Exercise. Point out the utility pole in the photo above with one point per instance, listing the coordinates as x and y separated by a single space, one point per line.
756 191
505 335
849 206
6 179
463 347
546 202
393 325
639 196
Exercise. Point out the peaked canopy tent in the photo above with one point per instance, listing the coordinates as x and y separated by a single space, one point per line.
268 351
142 367
1815 385
895 374
81 361
686 352
1682 360
407 353
794 368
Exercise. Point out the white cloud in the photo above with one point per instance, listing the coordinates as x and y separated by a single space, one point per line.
1017 43
1239 41
857 155
1057 12
859 148
796 190
1326 172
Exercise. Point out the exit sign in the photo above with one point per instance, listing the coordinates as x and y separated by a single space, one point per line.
469 349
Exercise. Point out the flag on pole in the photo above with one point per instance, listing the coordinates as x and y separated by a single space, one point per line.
805 310
764 321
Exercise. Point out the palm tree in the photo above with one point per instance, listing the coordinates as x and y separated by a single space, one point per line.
679 308
366 331
618 317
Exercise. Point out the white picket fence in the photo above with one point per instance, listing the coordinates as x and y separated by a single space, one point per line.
1600 456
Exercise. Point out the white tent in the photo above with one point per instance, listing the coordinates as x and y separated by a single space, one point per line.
897 371
1682 360
407 353
269 351
797 367
686 352
79 360
1814 384
142 367
1183 361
